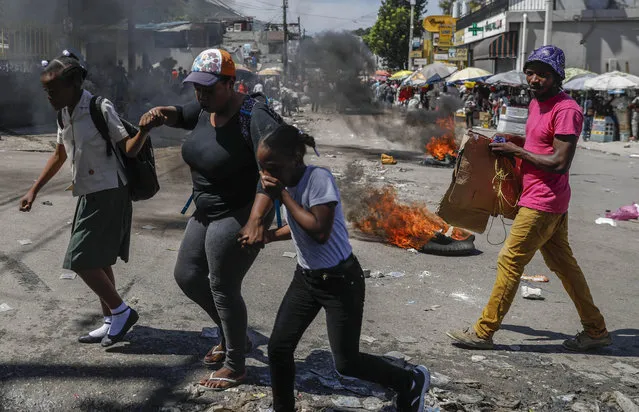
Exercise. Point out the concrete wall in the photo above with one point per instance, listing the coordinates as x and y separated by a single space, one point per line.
589 45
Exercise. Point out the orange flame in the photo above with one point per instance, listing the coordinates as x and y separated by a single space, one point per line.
406 226
441 146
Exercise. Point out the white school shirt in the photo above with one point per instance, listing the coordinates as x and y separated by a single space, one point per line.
92 171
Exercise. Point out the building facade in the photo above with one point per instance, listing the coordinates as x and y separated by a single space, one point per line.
597 35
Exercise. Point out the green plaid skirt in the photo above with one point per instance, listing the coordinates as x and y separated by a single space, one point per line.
101 230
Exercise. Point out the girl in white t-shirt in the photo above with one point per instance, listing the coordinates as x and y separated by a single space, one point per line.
328 276
102 223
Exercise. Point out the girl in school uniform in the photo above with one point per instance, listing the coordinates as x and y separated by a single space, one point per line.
328 276
102 223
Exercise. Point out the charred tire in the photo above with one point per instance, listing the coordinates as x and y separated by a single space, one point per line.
446 246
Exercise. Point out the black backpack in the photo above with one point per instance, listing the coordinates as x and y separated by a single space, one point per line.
140 170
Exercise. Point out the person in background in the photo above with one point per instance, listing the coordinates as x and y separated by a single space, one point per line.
589 115
242 87
469 109
634 109
101 229
552 130
258 88
327 276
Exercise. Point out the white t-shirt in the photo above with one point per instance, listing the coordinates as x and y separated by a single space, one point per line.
91 170
318 187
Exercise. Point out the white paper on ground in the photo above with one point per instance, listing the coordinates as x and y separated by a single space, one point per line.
68 276
290 255
4 307
25 242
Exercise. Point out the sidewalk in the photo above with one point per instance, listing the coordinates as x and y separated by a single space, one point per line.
625 149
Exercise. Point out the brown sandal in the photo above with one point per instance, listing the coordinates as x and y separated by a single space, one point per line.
228 383
217 354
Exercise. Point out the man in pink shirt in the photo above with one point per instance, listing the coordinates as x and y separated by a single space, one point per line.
552 130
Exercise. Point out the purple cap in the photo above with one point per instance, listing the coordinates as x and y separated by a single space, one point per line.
552 56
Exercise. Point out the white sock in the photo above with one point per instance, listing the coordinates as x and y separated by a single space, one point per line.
118 318
102 330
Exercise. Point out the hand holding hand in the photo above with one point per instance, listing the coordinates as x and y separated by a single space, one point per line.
151 119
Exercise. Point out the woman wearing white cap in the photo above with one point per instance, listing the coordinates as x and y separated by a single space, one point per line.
225 233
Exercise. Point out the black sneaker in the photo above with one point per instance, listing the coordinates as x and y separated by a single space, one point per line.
413 400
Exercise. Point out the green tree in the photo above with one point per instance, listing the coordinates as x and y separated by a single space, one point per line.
388 38
446 6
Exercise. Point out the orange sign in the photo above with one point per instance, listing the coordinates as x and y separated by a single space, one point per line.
433 23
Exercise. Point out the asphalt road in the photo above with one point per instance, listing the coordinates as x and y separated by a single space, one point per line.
43 368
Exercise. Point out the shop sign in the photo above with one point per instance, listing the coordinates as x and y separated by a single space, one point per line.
458 37
458 54
446 36
441 56
420 62
433 23
416 54
484 29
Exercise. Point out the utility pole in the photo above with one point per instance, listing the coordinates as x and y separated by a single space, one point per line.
285 50
548 23
410 33
131 37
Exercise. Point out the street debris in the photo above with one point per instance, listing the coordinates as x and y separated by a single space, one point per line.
388 160
411 302
629 212
432 308
5 308
291 255
396 274
625 368
212 333
477 358
148 227
439 380
367 273
606 221
535 278
531 293
624 403
406 339
346 402
462 297
367 339
425 274
47 203
397 355
412 250
25 242
567 398
377 274
68 276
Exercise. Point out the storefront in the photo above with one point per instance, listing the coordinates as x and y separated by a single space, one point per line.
497 54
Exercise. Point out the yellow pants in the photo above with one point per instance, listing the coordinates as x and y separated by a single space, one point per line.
531 231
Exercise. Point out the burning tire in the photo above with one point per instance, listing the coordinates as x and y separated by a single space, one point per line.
443 245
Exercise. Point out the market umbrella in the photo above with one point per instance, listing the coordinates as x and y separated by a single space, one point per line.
270 72
402 74
574 71
242 68
429 74
577 82
611 81
382 73
469 73
511 78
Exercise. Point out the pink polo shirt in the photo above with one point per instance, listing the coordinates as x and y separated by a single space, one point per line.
545 191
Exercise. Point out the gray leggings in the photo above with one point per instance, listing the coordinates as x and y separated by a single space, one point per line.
210 268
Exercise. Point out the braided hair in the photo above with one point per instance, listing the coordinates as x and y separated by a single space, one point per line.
289 141
67 67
